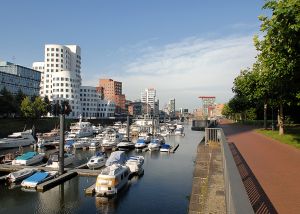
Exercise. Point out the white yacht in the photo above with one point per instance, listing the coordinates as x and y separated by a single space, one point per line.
111 180
28 158
17 139
80 143
81 129
97 161
135 164
125 145
94 144
48 138
154 145
53 161
111 139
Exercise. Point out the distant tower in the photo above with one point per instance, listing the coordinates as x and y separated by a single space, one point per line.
149 97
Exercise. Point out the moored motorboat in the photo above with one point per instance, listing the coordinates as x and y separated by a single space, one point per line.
20 175
154 145
135 164
165 148
111 180
94 144
140 144
125 145
17 139
97 161
81 129
53 161
28 158
38 178
82 142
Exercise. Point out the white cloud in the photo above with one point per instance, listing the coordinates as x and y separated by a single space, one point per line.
188 69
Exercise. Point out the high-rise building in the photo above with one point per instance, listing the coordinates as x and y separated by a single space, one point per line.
16 77
149 97
171 108
61 79
112 91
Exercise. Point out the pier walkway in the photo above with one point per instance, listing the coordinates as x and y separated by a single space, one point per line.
275 166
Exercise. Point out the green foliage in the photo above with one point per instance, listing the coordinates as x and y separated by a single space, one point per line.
27 108
39 107
7 106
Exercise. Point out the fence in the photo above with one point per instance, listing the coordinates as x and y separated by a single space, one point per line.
237 200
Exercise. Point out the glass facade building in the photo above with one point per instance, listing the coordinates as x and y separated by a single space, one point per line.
15 77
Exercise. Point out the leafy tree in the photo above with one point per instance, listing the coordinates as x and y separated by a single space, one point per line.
27 108
19 97
55 108
48 104
66 108
39 107
7 106
279 52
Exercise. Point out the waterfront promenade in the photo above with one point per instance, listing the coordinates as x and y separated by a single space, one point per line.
275 165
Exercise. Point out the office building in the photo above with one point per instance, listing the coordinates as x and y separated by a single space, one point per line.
16 77
112 91
149 97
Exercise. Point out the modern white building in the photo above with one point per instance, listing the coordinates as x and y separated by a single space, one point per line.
92 106
61 80
149 97
61 77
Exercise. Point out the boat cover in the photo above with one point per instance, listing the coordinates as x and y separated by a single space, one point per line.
37 177
26 156
116 157
166 146
140 141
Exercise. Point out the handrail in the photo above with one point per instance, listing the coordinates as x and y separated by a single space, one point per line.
237 200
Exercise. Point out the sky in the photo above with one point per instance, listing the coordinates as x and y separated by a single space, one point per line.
184 49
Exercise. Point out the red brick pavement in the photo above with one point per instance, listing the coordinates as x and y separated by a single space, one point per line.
276 166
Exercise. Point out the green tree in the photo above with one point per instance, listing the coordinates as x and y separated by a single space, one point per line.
7 106
27 109
19 97
48 104
39 107
279 52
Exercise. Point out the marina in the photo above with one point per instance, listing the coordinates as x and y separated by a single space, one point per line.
163 175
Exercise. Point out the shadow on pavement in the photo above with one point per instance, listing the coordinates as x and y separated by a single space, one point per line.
259 200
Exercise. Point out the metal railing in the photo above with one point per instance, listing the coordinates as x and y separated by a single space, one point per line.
237 200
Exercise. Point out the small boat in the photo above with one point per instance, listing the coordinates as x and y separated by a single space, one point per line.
38 178
47 144
97 161
17 139
135 164
81 129
111 180
125 145
179 130
69 144
83 142
165 148
53 161
116 157
20 175
111 139
154 145
28 158
94 144
140 144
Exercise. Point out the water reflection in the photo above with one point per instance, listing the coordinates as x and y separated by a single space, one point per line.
163 188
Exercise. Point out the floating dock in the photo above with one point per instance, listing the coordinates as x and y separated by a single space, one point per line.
56 181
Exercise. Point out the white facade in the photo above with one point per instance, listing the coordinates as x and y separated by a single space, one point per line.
92 106
149 96
61 79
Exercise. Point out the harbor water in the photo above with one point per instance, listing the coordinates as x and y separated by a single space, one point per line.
164 188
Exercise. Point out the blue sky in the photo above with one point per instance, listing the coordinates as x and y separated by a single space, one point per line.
182 48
